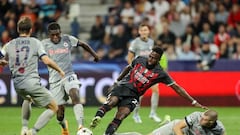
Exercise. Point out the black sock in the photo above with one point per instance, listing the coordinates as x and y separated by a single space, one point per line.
102 110
113 126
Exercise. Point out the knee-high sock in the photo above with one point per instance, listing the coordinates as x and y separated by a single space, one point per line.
26 112
113 126
62 123
43 119
154 102
136 110
102 110
79 114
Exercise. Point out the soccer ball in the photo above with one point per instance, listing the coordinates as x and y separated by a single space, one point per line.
84 131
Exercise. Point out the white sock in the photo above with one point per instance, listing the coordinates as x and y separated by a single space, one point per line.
26 112
154 102
79 114
136 110
43 119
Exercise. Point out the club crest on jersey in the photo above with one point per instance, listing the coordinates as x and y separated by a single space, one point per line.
65 44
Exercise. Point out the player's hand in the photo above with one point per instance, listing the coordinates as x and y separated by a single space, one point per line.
96 58
200 106
3 62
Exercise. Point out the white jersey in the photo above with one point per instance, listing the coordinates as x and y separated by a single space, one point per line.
23 54
61 54
140 47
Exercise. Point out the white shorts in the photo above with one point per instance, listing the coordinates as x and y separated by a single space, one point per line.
60 90
40 96
165 129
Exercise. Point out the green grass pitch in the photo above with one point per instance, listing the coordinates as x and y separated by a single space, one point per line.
11 120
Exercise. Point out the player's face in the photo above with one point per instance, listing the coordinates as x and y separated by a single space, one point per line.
55 36
144 32
153 58
206 121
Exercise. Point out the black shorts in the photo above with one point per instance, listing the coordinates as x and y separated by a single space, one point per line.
126 97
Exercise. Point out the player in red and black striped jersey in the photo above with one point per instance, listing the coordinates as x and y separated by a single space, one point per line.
132 83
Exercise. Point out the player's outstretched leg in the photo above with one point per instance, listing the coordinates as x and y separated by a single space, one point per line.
136 116
154 104
26 113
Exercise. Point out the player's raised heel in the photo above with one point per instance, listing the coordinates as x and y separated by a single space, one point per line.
65 131
95 121
24 131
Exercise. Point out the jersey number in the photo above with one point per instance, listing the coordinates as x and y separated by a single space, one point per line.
25 50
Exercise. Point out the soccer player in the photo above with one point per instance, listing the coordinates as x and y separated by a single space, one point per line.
141 46
23 54
197 123
134 81
58 47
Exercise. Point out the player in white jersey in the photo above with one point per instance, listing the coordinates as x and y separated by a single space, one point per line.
141 46
197 123
58 47
23 54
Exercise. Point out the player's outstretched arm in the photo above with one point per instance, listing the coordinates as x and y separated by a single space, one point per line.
87 47
124 72
49 62
180 91
177 129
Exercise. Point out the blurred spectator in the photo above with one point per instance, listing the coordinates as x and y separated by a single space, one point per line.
180 5
222 14
4 7
177 26
205 10
75 28
48 13
196 24
161 7
158 29
167 38
73 10
111 28
97 33
222 36
128 28
145 5
213 24
223 51
115 9
118 46
186 53
188 35
194 7
234 16
152 16
2 27
4 38
18 8
12 29
206 34
127 11
236 55
196 44
170 53
185 16
28 13
206 58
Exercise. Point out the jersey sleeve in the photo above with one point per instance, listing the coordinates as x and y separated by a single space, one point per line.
74 41
167 79
192 118
132 48
41 51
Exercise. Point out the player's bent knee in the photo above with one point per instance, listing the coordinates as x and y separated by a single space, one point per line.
53 106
